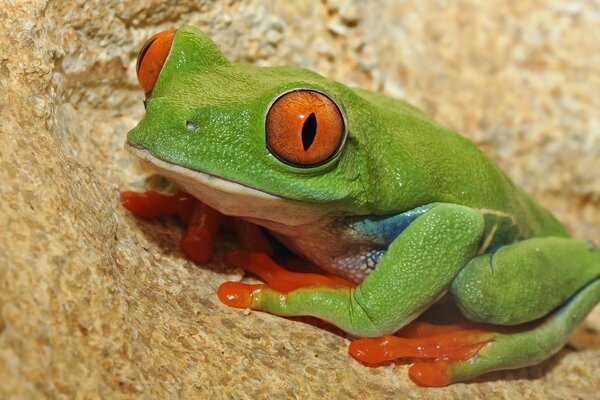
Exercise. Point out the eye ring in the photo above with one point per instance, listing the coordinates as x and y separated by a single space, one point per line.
305 128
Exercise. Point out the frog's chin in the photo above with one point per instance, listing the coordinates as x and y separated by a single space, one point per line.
231 198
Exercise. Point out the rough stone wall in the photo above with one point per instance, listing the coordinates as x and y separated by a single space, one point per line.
96 303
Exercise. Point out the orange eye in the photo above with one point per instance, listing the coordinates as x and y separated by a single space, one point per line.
304 128
152 57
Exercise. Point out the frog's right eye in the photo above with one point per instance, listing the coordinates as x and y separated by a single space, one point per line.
304 128
152 57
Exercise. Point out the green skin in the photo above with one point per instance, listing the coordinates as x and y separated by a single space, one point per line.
504 258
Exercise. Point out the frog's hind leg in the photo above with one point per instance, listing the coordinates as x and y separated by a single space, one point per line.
423 341
521 348
524 281
518 285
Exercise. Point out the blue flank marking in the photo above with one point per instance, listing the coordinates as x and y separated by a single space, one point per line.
384 229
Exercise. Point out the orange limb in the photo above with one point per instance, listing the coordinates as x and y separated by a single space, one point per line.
430 374
237 294
454 346
153 204
197 243
251 238
203 222
278 278
432 345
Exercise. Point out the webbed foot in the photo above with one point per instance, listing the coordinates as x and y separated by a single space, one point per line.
430 346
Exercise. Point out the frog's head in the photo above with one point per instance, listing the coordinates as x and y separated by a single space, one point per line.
263 143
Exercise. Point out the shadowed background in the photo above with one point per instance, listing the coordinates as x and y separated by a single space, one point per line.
94 302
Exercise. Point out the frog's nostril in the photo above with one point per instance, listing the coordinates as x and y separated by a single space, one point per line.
190 126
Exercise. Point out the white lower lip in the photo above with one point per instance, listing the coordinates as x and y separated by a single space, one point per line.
232 198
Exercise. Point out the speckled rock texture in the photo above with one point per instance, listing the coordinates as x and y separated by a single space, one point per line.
95 303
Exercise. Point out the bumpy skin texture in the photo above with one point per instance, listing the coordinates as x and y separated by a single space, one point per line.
418 203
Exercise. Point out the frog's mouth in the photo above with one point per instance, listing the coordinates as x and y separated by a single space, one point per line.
231 198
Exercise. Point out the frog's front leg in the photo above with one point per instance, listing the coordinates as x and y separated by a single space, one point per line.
417 268
276 277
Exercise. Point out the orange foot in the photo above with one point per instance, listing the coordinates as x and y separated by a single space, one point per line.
432 345
153 204
250 237
237 294
198 241
202 221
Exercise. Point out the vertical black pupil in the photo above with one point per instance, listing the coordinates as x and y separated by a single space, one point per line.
143 54
309 131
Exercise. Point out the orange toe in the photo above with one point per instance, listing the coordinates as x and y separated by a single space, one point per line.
154 204
369 351
455 346
236 294
251 238
430 374
150 204
197 244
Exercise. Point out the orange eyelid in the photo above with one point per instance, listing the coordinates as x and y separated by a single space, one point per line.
304 128
152 57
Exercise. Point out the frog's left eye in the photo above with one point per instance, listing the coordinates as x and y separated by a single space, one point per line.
152 57
304 128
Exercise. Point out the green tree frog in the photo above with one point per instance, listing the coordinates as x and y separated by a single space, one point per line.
409 219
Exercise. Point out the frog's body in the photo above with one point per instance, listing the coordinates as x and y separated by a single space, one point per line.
403 205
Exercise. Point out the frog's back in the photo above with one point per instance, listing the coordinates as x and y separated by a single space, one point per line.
419 162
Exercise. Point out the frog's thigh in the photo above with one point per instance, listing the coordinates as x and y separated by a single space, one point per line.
416 270
525 280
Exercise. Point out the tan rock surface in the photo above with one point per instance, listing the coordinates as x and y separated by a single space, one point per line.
96 303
